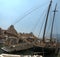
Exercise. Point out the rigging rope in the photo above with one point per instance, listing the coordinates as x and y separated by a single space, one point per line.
43 21
38 21
28 13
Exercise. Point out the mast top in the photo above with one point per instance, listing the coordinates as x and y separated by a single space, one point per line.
55 10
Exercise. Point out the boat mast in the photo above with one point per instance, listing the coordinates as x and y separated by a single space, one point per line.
46 20
53 22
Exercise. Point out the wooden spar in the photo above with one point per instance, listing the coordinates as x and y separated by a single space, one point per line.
53 22
46 20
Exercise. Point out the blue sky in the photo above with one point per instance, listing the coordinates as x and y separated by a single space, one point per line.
13 10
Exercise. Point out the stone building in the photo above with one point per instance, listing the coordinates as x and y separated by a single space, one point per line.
11 34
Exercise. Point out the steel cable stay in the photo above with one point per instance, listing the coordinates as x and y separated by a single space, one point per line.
33 29
29 12
36 25
56 32
49 21
58 2
43 22
24 16
56 27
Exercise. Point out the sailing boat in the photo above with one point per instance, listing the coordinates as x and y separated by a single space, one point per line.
50 47
44 47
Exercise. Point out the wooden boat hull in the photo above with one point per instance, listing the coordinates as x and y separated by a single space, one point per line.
35 51
45 50
17 47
